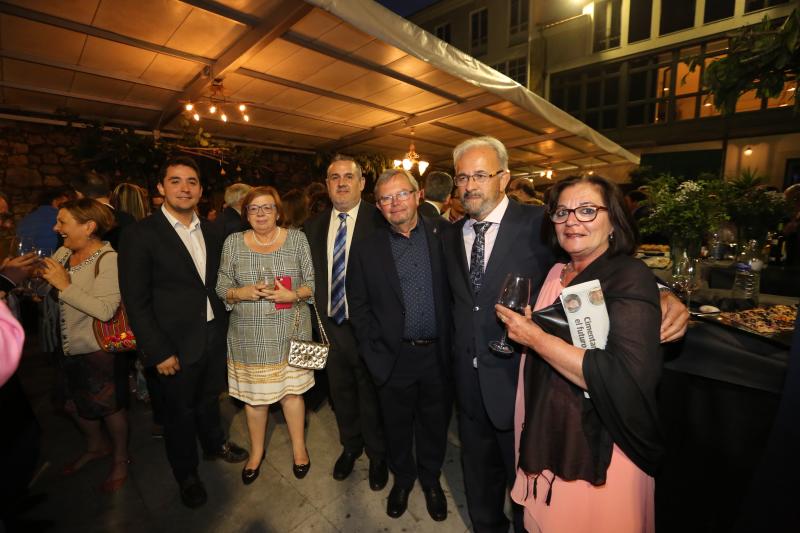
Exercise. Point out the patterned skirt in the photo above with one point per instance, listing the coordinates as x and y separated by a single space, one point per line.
97 382
262 384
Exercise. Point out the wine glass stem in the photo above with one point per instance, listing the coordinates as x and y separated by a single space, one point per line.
504 340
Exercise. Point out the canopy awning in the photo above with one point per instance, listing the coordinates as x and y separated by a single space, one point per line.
319 75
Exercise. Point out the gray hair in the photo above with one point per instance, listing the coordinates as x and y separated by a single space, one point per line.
389 173
482 142
343 157
234 194
438 186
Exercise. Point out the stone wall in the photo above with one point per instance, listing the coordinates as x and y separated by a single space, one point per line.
34 157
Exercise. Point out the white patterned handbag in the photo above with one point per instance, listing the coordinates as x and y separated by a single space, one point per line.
308 354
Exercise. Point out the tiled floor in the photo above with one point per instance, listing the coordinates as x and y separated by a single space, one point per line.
276 502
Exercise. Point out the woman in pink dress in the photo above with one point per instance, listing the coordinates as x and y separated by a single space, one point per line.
587 433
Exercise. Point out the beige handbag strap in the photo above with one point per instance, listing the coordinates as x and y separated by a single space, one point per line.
296 328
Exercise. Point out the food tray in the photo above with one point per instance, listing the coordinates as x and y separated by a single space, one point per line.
781 338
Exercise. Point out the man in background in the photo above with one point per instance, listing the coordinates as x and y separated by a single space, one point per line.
230 220
438 186
97 187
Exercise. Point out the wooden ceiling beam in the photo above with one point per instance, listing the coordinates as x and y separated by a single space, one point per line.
79 96
224 11
277 22
51 20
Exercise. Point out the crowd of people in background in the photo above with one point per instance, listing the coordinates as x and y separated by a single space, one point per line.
406 290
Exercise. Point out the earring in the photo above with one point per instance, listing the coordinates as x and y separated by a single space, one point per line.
611 237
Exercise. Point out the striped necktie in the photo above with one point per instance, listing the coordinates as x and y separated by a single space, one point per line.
337 273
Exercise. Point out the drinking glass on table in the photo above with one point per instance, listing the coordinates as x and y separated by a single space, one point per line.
687 277
515 295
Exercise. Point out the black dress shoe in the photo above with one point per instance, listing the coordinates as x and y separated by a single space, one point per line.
250 474
230 452
436 502
193 493
344 464
378 474
300 471
398 501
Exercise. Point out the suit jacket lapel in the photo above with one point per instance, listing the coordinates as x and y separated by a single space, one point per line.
385 258
507 234
460 251
175 243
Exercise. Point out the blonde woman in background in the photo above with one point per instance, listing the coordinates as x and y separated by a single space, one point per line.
131 199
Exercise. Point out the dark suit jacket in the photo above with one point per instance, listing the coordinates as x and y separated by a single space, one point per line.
230 221
518 249
164 296
316 229
428 210
376 300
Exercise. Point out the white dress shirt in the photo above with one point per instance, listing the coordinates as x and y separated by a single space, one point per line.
491 234
192 238
333 227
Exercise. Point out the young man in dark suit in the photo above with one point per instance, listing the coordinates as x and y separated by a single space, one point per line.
330 236
495 238
168 266
400 308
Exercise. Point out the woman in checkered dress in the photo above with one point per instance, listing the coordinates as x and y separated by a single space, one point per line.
262 320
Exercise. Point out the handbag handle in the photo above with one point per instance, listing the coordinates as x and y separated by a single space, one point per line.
322 334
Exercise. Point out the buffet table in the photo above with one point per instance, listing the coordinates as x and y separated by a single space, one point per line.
717 400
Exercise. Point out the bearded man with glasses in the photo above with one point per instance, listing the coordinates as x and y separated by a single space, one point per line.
497 237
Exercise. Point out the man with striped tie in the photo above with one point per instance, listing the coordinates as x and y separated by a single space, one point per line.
330 235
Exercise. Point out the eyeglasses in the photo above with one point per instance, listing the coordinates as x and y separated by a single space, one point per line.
257 209
341 177
584 213
401 196
479 177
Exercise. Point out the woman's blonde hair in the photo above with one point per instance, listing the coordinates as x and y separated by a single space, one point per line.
131 199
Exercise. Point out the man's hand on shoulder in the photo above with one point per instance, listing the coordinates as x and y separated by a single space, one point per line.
169 366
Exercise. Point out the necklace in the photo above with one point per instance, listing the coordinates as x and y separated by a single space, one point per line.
566 270
271 242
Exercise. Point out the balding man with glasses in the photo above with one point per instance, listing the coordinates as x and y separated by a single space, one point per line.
330 236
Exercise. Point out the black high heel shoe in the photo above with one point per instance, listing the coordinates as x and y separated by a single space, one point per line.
250 474
300 471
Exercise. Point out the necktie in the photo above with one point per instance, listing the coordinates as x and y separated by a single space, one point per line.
337 273
476 257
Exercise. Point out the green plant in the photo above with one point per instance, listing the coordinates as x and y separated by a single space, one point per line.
754 208
684 210
761 58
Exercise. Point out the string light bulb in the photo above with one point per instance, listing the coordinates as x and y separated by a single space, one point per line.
212 109
242 108
224 117
246 118
196 117
189 106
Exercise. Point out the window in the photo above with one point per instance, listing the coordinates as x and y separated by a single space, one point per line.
518 70
518 21
718 10
755 5
679 16
607 23
443 32
479 32
639 24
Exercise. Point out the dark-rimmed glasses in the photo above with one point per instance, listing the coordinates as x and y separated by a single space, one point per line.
257 209
400 196
480 177
584 213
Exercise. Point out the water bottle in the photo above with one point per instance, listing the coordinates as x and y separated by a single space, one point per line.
745 283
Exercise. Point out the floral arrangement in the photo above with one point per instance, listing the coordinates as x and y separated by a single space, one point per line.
685 210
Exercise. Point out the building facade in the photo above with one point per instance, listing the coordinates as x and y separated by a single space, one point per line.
622 67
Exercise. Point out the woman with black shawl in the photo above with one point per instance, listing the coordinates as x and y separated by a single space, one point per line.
586 421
